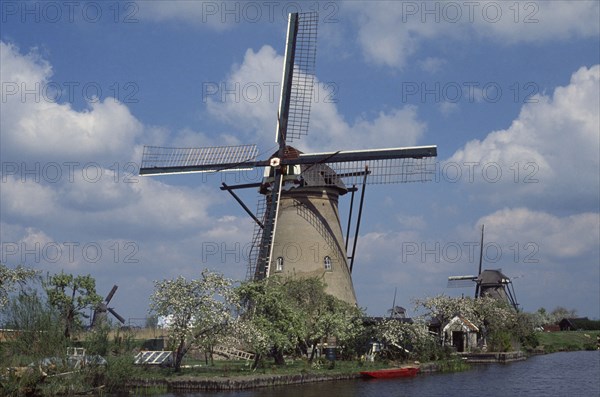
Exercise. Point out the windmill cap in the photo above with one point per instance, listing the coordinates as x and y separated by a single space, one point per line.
493 276
313 175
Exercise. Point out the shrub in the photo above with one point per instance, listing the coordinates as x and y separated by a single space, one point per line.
499 341
119 370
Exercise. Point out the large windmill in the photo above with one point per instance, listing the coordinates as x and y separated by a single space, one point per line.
488 282
297 224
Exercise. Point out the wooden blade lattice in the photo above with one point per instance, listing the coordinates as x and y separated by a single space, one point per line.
169 160
388 165
257 239
303 76
387 171
461 281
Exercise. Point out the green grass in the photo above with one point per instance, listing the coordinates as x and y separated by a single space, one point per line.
225 368
567 340
453 365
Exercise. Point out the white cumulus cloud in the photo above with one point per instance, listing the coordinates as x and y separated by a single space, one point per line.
37 126
556 237
390 32
550 154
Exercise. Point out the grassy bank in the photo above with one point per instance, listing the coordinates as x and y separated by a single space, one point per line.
235 369
236 375
551 342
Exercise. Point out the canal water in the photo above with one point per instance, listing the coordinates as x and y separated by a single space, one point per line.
570 374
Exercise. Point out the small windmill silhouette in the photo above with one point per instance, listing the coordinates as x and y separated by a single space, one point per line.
101 311
488 282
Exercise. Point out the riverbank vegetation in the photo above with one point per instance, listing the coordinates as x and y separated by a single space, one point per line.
287 327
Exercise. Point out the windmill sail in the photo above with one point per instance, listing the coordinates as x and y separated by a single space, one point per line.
117 315
389 165
478 286
256 242
461 281
168 160
111 294
298 77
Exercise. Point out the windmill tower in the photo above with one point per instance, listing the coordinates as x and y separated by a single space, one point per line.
488 282
297 224
101 311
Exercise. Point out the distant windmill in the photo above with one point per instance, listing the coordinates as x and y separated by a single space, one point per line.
396 311
298 230
489 282
100 312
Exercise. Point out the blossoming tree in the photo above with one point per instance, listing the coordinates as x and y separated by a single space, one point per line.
199 311
11 278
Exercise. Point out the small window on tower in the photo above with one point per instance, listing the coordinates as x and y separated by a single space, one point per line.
279 264
327 263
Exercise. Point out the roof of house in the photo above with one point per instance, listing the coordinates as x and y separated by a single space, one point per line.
466 324
572 322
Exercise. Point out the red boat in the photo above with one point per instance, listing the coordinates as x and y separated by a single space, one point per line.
404 372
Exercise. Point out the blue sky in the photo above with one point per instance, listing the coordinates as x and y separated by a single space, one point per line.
509 91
